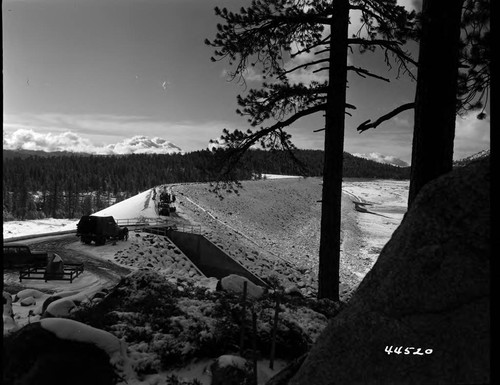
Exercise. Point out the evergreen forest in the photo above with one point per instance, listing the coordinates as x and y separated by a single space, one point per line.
68 185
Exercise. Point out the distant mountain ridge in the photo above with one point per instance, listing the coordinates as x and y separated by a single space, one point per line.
21 153
465 161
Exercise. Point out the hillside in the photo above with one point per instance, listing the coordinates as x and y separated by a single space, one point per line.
475 157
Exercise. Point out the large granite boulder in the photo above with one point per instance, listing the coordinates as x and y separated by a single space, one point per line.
28 293
429 290
9 323
36 356
235 283
231 370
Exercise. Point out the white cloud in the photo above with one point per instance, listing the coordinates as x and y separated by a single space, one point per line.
411 5
107 133
144 145
380 158
27 139
402 122
250 75
306 75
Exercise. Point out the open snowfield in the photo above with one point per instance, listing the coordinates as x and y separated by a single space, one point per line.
271 227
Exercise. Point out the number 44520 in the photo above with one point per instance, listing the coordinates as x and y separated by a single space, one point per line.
407 350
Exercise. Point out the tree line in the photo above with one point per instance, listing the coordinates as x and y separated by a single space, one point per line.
71 185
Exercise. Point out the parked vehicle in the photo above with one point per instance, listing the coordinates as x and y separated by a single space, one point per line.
98 229
20 255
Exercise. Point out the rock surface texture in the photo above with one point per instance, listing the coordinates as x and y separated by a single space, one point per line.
429 289
231 370
34 355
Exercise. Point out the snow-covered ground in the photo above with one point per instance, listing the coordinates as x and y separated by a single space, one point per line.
389 197
277 176
14 229
383 204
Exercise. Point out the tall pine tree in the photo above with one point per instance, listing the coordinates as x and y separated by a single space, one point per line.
268 35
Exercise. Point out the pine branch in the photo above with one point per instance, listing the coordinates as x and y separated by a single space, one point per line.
301 19
234 155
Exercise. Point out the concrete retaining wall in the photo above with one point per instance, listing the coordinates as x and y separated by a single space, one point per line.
211 260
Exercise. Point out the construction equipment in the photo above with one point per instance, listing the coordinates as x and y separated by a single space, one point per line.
166 203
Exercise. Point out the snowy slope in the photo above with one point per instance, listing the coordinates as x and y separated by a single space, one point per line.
139 206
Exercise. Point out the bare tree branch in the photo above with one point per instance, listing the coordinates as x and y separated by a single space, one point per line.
309 48
305 65
362 72
237 152
321 69
389 45
367 125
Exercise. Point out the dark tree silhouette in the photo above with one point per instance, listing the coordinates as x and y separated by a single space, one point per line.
435 100
442 89
453 78
269 33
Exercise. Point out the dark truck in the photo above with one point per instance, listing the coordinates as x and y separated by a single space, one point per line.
20 255
98 229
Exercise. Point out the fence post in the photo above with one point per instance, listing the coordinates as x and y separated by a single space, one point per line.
274 331
254 345
243 313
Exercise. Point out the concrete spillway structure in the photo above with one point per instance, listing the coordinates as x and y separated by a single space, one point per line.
211 260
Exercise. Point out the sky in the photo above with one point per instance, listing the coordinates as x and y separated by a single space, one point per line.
124 76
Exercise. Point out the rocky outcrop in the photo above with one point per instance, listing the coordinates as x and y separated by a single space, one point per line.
428 294
231 370
235 283
34 355
28 293
28 301
9 323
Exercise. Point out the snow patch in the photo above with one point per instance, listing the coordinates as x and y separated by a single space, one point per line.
128 209
77 331
28 293
230 360
278 176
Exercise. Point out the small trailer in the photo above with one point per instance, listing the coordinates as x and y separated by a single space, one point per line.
19 255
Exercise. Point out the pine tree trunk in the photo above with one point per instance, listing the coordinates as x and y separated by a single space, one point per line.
436 97
329 250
